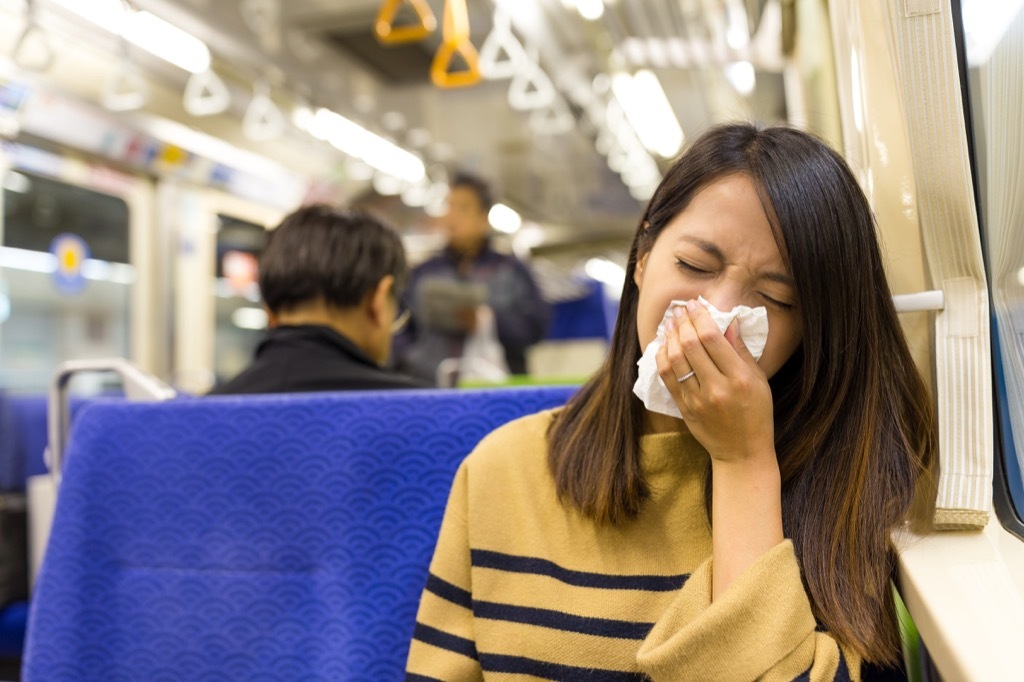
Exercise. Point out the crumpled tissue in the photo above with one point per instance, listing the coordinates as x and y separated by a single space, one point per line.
649 386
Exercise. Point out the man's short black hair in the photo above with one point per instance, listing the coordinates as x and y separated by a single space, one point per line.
475 184
334 254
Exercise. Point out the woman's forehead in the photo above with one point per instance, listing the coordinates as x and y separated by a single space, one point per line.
726 233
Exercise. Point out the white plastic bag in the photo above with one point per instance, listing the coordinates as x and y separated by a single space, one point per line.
483 357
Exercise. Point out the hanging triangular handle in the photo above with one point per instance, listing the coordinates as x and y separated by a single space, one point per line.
530 88
386 31
206 94
553 120
501 40
33 52
264 19
439 68
263 121
125 89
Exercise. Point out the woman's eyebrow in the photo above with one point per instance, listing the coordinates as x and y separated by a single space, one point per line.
704 245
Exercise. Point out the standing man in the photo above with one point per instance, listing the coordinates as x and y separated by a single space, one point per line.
448 293
331 281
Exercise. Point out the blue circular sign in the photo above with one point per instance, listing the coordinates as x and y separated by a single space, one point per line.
71 252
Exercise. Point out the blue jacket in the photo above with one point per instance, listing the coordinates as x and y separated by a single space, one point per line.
521 315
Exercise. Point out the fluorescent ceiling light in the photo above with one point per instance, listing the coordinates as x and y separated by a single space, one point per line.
591 10
212 148
354 140
107 14
608 273
302 117
648 111
167 41
504 219
415 195
737 32
145 30
742 77
386 185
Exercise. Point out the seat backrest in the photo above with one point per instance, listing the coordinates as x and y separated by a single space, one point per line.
23 437
268 538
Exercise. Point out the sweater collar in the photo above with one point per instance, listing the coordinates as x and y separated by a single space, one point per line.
672 454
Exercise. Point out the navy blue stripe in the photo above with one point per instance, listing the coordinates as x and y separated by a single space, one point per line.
842 671
413 677
499 663
444 640
559 620
521 564
445 590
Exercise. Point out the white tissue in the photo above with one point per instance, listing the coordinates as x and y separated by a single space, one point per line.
649 386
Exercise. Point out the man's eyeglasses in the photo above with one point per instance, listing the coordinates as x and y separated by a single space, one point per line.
401 320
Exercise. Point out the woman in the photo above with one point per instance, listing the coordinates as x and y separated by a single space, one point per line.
579 544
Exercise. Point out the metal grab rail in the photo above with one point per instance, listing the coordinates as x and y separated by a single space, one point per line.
138 385
919 302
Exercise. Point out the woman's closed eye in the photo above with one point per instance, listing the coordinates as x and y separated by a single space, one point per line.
781 305
691 268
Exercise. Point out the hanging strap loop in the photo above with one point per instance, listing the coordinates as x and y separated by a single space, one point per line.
386 31
456 42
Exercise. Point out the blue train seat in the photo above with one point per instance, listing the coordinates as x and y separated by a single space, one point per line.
267 538
591 316
23 439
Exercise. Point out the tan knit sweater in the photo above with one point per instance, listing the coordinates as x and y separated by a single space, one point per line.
522 586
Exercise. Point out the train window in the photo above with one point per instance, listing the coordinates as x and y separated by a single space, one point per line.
65 282
994 48
240 318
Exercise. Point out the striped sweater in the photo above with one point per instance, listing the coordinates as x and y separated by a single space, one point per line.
521 585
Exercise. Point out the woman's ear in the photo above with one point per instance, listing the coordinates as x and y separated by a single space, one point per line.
638 272
381 309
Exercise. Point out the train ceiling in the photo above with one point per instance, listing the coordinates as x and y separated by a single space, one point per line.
715 60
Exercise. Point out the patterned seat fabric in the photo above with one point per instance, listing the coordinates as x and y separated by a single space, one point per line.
269 538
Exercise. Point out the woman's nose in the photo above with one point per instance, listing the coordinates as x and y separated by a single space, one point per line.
723 296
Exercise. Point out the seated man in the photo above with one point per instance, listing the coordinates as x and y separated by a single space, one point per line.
331 280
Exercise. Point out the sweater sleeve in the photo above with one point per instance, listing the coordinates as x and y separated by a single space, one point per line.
443 646
762 628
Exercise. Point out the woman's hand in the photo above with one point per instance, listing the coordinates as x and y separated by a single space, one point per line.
727 403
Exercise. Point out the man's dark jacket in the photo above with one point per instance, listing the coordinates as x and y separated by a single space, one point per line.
311 358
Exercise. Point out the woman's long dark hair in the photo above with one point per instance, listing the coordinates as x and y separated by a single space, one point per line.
854 427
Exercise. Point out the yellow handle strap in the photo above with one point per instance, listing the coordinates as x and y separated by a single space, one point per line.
386 31
456 42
